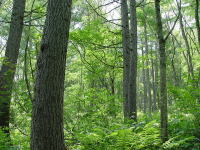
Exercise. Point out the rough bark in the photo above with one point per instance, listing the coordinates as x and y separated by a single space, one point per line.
132 95
9 63
47 113
126 53
163 89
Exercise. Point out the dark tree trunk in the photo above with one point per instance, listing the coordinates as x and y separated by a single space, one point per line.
47 114
126 53
163 89
197 20
132 95
9 63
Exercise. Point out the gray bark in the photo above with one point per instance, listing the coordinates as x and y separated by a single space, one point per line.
163 88
9 63
144 84
126 53
47 113
148 82
153 82
132 95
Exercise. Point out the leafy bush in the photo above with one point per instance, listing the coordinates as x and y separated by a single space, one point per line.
124 138
4 141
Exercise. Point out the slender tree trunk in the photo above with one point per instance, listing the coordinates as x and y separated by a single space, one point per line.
175 76
144 83
197 20
157 78
132 95
163 89
126 53
9 63
189 57
47 113
153 82
147 70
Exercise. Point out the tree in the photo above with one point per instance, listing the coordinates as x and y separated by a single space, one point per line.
163 88
8 67
126 54
197 20
47 112
132 95
129 44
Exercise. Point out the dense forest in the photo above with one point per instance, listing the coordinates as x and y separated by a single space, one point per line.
100 75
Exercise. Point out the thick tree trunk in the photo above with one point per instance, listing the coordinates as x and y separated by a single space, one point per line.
47 114
163 89
132 95
9 63
126 53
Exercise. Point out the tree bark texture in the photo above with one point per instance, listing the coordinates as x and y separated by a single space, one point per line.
8 67
132 95
126 53
47 113
163 89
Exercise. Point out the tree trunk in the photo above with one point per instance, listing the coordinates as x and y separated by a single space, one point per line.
153 82
189 57
197 20
157 77
47 114
132 95
9 63
175 75
144 83
148 82
163 89
126 53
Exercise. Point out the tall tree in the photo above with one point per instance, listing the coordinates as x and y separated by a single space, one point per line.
197 20
126 53
148 82
132 95
144 83
47 114
188 48
163 88
8 67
